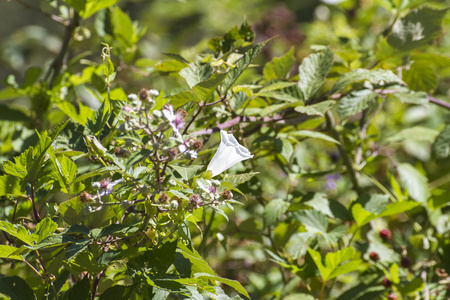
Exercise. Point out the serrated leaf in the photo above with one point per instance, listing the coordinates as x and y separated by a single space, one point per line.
362 216
416 29
313 71
44 229
8 252
413 181
76 248
232 283
377 77
187 173
11 185
418 98
273 211
17 231
276 86
313 220
441 146
355 102
317 109
241 65
421 76
236 180
16 288
416 133
278 67
320 202
195 73
314 135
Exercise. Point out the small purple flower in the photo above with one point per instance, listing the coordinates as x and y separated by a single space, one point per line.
331 180
175 120
107 187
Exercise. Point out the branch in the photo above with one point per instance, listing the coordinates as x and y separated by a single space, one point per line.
56 65
438 102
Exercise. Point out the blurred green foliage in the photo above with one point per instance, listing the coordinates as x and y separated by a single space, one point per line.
344 105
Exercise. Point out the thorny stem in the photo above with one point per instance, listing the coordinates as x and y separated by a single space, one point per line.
438 102
96 281
348 163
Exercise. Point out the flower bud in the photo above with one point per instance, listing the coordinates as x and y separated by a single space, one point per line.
172 152
163 198
86 210
132 97
172 182
85 196
155 145
227 195
96 185
157 114
174 204
405 262
144 95
215 182
153 93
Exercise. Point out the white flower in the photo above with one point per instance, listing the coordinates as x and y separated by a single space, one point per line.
228 154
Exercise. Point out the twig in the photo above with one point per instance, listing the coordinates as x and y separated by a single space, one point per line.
193 118
438 102
57 63
51 16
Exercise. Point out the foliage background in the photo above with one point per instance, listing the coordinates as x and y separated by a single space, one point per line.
258 249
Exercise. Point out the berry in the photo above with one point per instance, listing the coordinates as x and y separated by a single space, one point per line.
386 283
405 262
385 234
374 256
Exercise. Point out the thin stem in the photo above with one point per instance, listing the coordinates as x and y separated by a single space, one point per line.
348 163
381 187
56 65
193 118
34 269
36 214
322 290
438 102
202 247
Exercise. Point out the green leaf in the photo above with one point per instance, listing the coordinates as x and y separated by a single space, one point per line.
313 71
16 288
273 211
72 211
361 216
319 202
118 292
97 124
232 283
81 290
44 229
278 67
412 287
276 86
284 148
76 248
123 29
241 65
199 265
7 252
313 220
93 6
377 77
441 146
421 76
416 29
317 109
9 114
17 231
11 185
236 180
413 181
345 268
196 73
355 102
187 173
418 98
416 133
313 134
